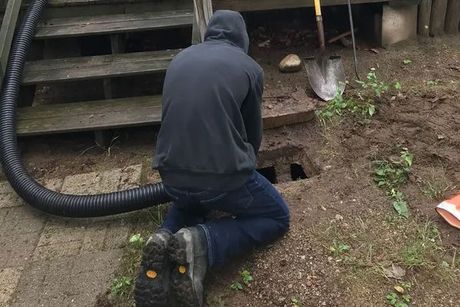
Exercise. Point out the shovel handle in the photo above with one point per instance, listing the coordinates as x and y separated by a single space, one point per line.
319 24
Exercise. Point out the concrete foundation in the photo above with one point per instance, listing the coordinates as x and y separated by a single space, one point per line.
398 24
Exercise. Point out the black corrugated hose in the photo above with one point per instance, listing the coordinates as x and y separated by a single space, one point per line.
29 189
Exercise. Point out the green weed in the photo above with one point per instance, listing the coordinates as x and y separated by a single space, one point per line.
400 297
338 249
407 61
374 84
137 241
121 286
295 302
246 278
390 175
339 106
236 285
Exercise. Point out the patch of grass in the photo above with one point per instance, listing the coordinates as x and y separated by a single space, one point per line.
419 252
435 184
435 190
390 175
380 241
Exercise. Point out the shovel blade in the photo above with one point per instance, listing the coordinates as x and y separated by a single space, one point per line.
326 76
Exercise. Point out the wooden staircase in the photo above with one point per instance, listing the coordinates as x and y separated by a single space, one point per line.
66 19
68 23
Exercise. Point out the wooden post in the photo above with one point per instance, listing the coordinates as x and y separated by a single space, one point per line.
453 16
424 15
202 12
438 17
7 32
103 138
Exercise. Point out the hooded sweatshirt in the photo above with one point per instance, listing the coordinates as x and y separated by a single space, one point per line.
211 120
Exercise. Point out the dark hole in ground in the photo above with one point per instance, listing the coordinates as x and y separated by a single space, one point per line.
269 173
297 172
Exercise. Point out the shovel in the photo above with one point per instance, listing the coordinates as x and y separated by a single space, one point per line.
325 73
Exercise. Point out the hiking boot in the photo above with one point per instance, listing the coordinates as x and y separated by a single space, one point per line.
152 283
188 252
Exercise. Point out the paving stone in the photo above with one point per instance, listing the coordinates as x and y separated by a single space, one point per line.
8 200
130 177
57 231
54 184
59 250
17 249
45 284
9 278
109 181
5 187
81 184
89 281
117 235
94 237
21 220
3 214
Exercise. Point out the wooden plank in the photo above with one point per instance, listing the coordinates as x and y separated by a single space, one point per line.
96 67
7 29
260 5
438 17
110 24
288 118
89 116
424 16
453 16
119 113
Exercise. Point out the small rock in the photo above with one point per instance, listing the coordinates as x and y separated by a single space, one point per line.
441 137
323 208
309 283
291 63
270 106
302 257
338 217
399 289
395 271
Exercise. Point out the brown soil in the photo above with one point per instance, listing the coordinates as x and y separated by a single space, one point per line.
342 203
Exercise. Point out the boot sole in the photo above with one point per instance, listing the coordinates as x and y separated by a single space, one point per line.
153 292
182 284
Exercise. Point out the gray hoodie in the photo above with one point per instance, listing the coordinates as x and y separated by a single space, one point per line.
211 123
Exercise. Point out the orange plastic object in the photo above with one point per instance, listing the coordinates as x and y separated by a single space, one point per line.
450 211
151 274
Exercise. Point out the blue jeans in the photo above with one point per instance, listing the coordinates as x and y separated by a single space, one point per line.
258 216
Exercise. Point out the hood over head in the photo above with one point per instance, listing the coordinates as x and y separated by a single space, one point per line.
228 26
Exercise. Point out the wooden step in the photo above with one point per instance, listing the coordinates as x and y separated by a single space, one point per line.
96 67
110 24
90 115
123 112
